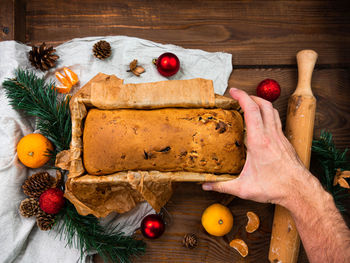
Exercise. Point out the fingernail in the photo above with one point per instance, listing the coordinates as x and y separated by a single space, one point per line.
233 89
207 187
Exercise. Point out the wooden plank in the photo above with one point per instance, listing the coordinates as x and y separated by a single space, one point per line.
330 86
255 32
12 20
7 21
186 207
190 198
20 20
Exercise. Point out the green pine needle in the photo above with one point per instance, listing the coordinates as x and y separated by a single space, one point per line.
86 233
32 95
37 98
330 159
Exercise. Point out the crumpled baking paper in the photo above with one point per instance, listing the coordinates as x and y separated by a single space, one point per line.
20 239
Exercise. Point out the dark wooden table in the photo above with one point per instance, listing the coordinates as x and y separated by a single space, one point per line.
262 36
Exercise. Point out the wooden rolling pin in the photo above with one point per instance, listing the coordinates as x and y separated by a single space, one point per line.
285 241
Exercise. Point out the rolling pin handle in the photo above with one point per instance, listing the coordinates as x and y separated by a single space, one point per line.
306 60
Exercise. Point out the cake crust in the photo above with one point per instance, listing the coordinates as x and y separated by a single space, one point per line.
192 140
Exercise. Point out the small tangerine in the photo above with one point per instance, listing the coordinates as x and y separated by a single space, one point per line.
33 150
217 220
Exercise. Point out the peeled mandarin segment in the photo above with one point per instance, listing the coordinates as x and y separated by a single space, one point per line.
240 246
253 222
71 76
63 89
65 81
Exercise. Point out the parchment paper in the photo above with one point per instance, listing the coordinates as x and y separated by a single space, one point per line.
122 191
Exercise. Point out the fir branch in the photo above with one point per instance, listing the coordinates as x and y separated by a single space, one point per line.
37 98
86 234
330 159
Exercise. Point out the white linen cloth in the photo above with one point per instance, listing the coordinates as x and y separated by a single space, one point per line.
20 239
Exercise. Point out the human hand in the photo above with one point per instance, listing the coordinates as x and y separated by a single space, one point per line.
273 171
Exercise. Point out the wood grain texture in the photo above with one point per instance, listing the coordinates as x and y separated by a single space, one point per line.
255 32
7 20
12 20
186 207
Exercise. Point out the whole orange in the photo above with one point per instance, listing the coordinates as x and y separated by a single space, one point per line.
33 150
217 220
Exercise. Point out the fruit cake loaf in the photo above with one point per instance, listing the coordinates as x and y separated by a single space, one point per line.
193 140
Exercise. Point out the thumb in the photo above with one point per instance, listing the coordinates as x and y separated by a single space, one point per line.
229 187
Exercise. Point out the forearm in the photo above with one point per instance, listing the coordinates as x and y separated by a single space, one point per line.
323 232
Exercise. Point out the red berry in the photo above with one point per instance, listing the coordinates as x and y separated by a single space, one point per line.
51 201
268 89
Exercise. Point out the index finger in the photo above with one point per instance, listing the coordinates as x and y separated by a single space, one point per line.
252 114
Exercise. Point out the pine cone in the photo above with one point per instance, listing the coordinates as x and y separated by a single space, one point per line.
43 57
190 241
102 49
44 221
29 207
37 183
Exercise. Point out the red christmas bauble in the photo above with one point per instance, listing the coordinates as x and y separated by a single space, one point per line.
51 201
168 64
152 226
268 89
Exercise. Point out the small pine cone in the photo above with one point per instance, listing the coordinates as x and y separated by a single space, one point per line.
102 49
44 221
37 183
43 57
29 207
190 241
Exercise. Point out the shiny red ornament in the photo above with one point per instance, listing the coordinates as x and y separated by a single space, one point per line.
51 201
268 89
168 64
152 226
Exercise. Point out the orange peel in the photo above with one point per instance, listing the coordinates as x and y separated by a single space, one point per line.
63 89
240 246
62 78
71 76
253 222
68 80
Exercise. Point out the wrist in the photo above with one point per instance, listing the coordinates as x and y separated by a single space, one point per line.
305 190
